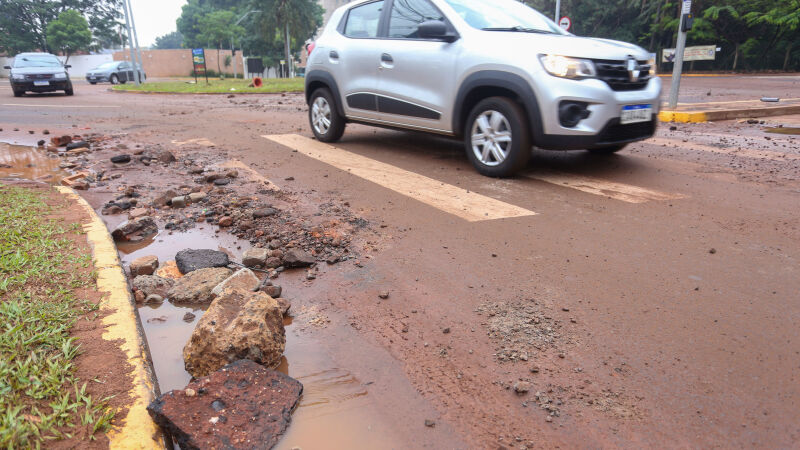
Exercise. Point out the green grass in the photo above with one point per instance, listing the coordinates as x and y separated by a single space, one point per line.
217 86
41 399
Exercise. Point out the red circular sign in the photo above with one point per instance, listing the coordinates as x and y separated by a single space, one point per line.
565 23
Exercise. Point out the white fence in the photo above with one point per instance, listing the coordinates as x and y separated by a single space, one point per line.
80 64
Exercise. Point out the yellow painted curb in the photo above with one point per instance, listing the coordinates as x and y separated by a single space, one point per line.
138 430
682 116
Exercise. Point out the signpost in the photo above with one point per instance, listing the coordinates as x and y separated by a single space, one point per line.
684 26
199 63
565 23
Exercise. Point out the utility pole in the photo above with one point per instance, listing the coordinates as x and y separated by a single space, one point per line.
558 11
683 28
130 34
140 63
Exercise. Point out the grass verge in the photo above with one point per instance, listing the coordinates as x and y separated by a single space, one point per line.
217 86
41 270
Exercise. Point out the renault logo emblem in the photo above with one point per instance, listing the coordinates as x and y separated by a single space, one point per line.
633 71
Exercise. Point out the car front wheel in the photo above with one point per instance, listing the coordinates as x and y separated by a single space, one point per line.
607 150
114 79
326 122
18 93
497 137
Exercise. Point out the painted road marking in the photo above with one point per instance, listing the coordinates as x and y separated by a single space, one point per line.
37 105
197 141
460 202
611 189
746 152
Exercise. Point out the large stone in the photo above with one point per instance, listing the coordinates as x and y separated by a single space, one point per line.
191 259
166 157
242 279
196 286
242 406
136 229
255 257
178 202
239 324
298 258
165 198
264 212
153 284
146 265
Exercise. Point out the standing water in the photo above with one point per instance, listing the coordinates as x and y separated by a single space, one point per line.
30 163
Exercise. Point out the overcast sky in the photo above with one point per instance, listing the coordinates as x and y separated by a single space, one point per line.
155 18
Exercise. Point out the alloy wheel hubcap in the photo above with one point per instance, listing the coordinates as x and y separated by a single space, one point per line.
491 138
321 115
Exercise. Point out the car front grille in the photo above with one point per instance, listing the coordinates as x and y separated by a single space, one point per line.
616 133
39 76
615 74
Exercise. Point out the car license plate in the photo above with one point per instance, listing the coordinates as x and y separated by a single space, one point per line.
41 83
635 113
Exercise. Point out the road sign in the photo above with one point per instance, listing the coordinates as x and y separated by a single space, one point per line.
565 23
696 53
686 8
199 63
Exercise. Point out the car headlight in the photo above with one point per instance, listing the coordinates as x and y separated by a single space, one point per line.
18 76
566 67
60 75
653 66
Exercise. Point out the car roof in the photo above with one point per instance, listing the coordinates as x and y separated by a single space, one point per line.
35 54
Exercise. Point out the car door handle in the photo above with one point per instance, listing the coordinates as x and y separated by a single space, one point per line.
334 54
387 58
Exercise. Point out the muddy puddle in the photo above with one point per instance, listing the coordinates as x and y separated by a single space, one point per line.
783 130
30 163
335 411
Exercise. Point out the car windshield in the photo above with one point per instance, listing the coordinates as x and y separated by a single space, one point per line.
503 15
36 61
109 65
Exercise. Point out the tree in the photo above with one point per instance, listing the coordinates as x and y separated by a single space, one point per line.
69 33
23 23
289 20
170 40
217 27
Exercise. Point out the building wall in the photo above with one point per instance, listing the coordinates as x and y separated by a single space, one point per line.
178 62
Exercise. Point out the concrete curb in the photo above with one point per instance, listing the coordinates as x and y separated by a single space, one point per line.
138 431
725 114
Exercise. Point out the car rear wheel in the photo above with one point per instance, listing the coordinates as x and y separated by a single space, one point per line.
114 79
607 150
497 138
326 122
93 83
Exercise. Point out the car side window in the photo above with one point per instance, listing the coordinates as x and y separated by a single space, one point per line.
363 21
408 14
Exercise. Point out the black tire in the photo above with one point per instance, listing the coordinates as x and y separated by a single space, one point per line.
69 90
336 121
93 83
18 93
113 79
517 152
607 150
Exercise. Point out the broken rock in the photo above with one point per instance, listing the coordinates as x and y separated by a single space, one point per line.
121 159
146 265
196 286
239 324
152 284
243 405
135 230
193 259
255 257
298 258
242 279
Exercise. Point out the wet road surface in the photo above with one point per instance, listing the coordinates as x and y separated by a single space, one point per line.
655 292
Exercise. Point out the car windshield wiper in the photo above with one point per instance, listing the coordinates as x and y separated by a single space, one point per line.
517 29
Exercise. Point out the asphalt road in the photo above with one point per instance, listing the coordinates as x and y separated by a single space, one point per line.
660 285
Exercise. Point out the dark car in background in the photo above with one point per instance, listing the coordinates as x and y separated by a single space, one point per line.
114 72
38 72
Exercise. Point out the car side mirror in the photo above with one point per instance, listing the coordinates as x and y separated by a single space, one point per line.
7 67
435 29
68 66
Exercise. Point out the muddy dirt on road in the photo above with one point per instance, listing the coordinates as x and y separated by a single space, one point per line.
645 298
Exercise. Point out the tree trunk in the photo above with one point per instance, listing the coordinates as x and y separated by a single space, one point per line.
655 26
788 54
735 57
287 49
219 69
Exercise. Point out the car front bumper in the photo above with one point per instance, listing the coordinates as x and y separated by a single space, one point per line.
602 127
29 86
97 78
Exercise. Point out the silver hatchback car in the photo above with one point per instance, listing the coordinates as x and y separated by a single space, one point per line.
496 73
